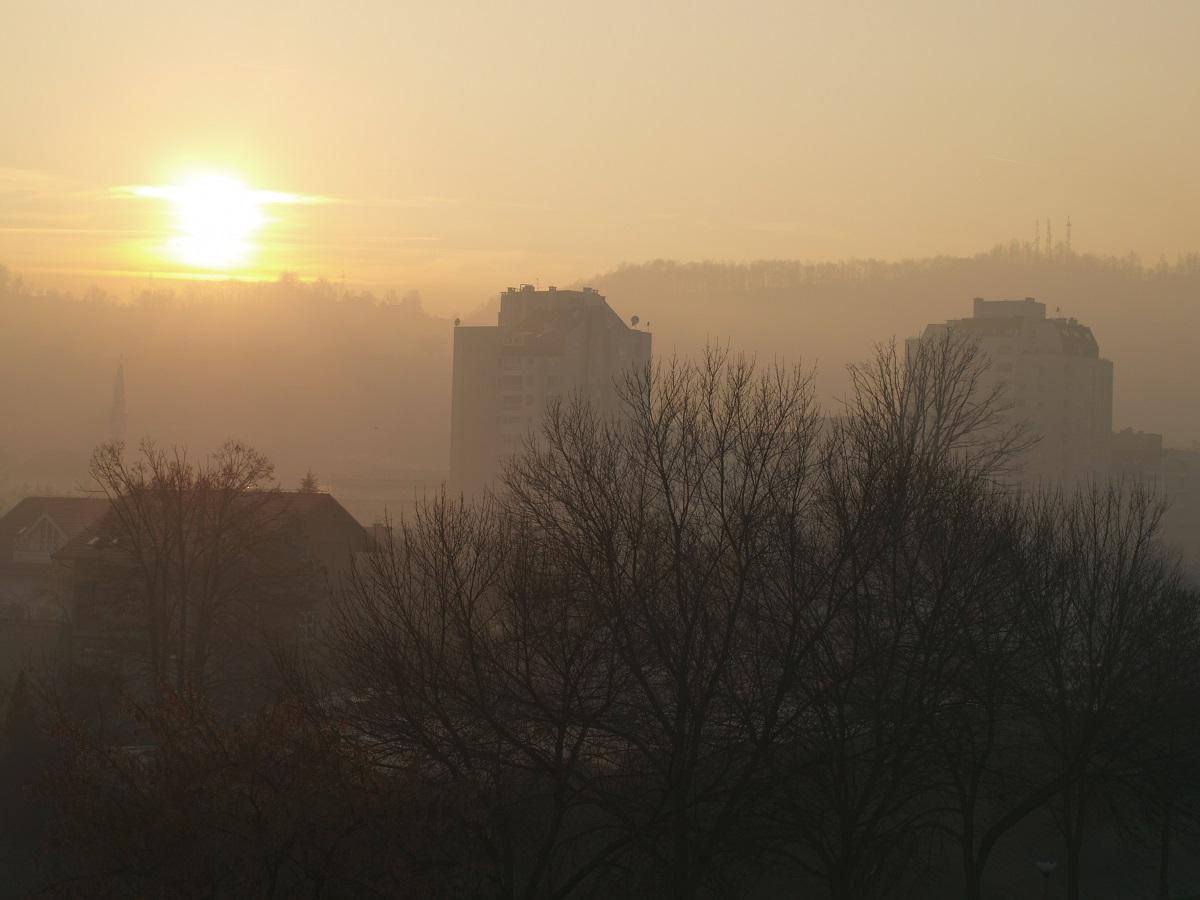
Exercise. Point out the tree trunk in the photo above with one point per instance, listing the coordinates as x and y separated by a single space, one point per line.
683 875
1074 818
1164 851
973 876
840 885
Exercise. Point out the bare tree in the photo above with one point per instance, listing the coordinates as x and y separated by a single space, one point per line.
1164 765
687 520
1112 635
931 405
464 649
909 508
192 558
609 643
273 805
716 627
991 768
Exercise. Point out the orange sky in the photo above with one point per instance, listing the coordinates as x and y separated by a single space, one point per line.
464 147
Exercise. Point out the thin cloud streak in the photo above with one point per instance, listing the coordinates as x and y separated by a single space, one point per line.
1005 159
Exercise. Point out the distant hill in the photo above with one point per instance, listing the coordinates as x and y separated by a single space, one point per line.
312 375
357 386
1147 320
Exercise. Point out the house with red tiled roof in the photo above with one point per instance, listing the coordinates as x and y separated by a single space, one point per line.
31 582
318 535
35 589
330 534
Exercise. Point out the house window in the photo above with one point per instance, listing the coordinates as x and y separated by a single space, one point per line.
46 539
43 538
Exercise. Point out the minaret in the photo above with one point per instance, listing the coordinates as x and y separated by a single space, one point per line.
117 416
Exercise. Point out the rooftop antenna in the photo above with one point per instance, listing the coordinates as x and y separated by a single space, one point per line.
1049 239
1037 237
1068 235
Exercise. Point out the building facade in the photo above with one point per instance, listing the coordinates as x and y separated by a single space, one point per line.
547 346
1052 374
1180 485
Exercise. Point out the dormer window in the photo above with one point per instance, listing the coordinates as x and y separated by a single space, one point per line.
46 539
38 541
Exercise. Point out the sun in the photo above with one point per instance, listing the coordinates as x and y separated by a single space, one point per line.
216 218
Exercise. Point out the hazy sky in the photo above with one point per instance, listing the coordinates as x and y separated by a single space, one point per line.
464 147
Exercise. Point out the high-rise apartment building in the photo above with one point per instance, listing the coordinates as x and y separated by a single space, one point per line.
547 345
1052 373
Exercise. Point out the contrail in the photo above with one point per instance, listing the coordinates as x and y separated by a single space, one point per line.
1015 162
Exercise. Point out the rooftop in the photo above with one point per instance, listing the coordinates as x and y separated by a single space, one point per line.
1028 308
71 514
305 506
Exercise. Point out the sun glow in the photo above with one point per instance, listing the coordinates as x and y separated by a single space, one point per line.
216 218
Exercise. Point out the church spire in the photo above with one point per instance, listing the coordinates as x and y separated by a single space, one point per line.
117 417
